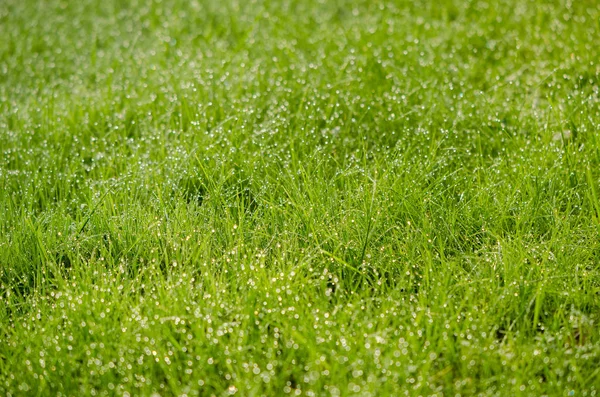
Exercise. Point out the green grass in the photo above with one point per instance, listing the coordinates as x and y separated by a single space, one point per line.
299 197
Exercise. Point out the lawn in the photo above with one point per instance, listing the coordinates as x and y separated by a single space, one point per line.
299 197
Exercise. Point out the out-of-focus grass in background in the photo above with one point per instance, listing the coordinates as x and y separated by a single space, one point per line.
299 197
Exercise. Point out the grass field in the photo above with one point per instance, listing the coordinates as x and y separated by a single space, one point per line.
299 197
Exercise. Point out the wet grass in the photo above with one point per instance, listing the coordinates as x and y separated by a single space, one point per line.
299 197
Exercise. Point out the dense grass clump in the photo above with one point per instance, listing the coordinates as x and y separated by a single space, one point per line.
299 197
